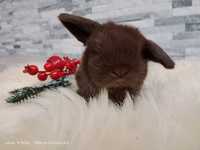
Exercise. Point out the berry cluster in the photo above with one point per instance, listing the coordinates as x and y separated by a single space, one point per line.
55 67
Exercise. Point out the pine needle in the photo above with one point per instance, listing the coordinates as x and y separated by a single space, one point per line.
22 94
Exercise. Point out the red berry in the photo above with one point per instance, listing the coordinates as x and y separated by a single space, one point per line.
31 69
56 61
55 75
49 66
61 65
42 76
53 58
70 65
76 61
62 73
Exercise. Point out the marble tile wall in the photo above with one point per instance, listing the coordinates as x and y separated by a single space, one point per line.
32 27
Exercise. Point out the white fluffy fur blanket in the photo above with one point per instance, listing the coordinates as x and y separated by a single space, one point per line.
166 116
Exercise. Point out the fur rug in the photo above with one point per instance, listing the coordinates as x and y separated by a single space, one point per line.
166 115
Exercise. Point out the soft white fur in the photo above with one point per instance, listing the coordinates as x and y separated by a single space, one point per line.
166 116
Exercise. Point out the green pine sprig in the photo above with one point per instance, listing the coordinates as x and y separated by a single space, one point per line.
22 94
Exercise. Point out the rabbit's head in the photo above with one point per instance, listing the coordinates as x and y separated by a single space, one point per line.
115 55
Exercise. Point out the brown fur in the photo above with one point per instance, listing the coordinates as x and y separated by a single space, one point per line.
115 58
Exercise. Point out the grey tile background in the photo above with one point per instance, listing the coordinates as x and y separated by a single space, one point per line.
31 26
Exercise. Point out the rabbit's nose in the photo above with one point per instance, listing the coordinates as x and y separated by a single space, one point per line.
120 72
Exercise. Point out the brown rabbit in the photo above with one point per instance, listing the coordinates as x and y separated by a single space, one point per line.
115 58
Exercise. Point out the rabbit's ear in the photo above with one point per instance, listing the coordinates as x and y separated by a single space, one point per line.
80 27
155 53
